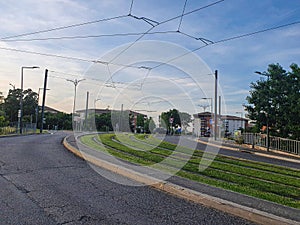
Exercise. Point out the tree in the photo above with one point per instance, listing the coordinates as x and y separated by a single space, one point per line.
1 97
60 120
275 101
30 103
11 103
149 125
185 119
174 118
103 122
2 113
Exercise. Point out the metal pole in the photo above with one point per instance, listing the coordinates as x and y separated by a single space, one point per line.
37 110
219 105
268 134
44 99
21 104
20 121
220 117
216 105
86 108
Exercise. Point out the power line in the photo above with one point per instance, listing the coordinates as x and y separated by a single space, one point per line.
229 39
131 5
88 36
64 27
151 22
182 15
141 67
205 41
193 11
71 58
257 32
155 24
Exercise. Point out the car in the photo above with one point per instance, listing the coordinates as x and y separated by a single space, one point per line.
207 134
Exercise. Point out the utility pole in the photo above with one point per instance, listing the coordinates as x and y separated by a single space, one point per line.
216 105
220 118
86 109
44 99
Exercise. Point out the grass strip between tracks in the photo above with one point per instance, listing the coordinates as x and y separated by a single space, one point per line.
261 180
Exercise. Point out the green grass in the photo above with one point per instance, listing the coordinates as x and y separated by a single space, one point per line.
262 180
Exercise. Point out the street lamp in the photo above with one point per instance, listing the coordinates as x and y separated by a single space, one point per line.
75 82
266 113
20 122
13 86
98 99
211 105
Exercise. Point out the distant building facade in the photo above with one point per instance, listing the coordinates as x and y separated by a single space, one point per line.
203 124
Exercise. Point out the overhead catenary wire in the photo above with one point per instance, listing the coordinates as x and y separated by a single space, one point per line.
64 27
131 6
159 23
147 20
206 41
87 36
228 39
178 29
194 50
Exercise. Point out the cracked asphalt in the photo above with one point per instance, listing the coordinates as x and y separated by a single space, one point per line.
42 183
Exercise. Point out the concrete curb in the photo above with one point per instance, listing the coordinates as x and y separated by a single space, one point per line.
247 213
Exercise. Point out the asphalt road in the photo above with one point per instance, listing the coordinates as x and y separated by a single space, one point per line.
238 154
43 183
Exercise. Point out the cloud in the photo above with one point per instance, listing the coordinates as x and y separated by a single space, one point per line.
236 60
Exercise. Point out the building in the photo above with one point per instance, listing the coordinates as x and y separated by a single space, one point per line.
232 123
227 124
202 124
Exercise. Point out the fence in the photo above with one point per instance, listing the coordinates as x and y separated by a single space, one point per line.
275 143
28 128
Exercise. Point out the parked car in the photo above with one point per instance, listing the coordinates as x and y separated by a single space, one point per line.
207 134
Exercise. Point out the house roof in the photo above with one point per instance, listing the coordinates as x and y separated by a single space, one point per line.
223 117
102 111
50 109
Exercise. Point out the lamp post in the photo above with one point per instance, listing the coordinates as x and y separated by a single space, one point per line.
75 82
20 122
268 108
13 86
211 106
98 99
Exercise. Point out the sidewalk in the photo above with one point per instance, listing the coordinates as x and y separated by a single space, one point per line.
247 207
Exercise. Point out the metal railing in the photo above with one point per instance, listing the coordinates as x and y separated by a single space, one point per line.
275 143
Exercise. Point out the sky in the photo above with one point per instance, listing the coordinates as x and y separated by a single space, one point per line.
153 68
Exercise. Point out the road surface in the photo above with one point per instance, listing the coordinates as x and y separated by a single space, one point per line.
43 183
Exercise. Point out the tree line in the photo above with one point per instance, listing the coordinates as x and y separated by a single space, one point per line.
10 105
274 101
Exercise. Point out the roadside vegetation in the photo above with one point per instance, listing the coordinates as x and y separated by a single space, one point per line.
270 182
